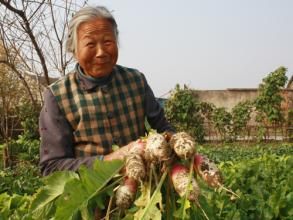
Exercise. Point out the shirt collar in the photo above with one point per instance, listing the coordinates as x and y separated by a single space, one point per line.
89 82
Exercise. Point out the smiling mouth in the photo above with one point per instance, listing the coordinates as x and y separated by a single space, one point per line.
100 61
100 64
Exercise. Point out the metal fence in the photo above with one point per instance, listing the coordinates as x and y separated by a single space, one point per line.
251 133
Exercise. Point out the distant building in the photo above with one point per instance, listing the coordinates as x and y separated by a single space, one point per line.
230 97
226 98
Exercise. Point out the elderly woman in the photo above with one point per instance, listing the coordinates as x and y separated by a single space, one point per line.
97 105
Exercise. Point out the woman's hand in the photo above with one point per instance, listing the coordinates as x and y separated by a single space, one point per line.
120 154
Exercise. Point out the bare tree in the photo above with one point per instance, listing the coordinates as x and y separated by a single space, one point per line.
33 36
10 96
11 64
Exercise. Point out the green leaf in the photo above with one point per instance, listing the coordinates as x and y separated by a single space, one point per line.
184 205
144 199
53 189
89 178
78 193
105 171
5 202
74 198
129 216
45 212
151 210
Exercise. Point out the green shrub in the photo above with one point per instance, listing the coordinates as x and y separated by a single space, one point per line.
184 112
222 122
28 115
240 117
23 178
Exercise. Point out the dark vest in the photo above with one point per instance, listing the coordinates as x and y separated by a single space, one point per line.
103 116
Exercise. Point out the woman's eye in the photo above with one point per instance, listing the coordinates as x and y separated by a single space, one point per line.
90 44
108 42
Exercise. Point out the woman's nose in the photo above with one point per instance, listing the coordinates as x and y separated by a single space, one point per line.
100 50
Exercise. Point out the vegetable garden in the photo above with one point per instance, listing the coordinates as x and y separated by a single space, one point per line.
260 175
256 180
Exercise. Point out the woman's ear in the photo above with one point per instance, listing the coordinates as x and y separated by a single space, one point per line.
75 55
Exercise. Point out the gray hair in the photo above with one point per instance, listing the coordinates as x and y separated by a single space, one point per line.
83 15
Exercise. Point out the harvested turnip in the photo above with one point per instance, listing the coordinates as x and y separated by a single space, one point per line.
180 180
157 148
125 193
183 145
134 166
209 172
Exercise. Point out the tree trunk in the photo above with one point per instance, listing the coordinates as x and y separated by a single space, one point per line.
5 157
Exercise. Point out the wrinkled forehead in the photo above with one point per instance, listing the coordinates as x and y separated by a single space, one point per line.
96 25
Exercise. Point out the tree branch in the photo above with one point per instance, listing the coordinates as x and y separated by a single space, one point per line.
28 30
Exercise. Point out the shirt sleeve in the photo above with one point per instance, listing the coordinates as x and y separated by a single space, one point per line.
56 150
155 113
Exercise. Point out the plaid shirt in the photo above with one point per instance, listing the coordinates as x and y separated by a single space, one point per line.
103 116
86 116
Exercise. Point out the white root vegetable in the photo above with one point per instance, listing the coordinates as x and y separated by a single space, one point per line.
138 147
183 145
209 172
157 148
125 193
180 180
135 167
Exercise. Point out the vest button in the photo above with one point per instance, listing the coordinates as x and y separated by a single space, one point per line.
116 140
104 89
110 115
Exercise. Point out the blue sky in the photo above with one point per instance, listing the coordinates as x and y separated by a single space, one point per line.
206 44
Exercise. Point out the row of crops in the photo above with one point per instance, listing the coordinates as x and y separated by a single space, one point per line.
262 176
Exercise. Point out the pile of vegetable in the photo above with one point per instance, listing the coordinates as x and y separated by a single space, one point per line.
164 155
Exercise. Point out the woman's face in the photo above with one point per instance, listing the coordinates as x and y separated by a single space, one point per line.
97 50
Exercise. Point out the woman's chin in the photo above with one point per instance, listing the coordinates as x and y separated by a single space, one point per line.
100 72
